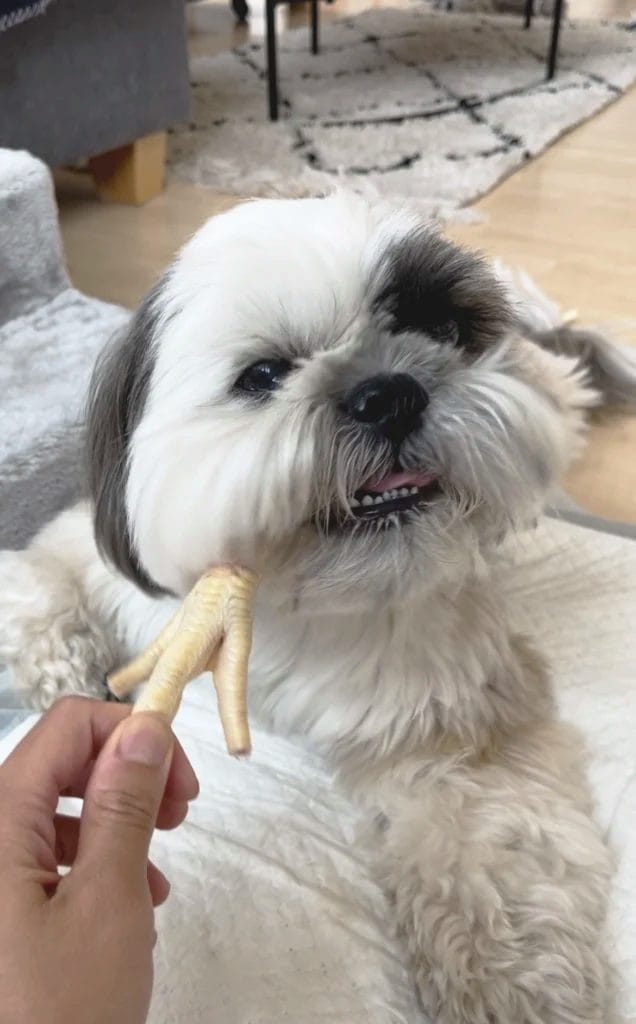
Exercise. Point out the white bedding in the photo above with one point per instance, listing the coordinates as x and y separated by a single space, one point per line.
273 916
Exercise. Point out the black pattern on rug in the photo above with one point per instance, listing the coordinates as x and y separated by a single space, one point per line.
401 102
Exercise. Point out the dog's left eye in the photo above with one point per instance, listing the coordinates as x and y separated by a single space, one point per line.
267 375
446 331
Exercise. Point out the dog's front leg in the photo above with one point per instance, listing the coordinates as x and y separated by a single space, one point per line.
66 617
500 880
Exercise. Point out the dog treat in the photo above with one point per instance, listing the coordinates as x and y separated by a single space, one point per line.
212 631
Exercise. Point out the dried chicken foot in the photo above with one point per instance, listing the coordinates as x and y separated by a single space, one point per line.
212 631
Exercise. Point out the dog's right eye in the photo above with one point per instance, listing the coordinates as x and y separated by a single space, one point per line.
266 375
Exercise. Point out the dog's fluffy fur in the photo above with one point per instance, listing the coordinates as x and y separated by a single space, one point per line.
386 644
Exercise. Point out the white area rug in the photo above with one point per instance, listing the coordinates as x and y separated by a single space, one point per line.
402 102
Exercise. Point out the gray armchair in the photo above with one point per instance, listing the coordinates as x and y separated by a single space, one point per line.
93 77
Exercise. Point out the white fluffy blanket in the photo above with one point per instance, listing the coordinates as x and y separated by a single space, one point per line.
273 915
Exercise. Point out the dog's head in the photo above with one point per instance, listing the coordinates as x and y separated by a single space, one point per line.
331 391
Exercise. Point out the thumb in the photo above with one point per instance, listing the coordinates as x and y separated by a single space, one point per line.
123 797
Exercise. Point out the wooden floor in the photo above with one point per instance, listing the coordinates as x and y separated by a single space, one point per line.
568 218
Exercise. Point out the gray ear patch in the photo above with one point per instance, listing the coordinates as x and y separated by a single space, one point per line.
116 401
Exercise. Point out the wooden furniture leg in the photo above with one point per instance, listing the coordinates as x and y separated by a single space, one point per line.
131 174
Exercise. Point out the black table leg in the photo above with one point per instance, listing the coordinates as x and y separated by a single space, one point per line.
272 72
314 26
554 40
527 13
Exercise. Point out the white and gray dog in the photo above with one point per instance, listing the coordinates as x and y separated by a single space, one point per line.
327 391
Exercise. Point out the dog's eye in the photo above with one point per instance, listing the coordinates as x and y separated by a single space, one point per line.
267 375
446 331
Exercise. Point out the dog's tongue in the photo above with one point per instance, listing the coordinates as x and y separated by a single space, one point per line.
395 480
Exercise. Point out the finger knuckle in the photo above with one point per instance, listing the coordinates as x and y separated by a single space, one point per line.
70 705
124 808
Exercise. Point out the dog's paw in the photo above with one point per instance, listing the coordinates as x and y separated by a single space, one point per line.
68 657
48 638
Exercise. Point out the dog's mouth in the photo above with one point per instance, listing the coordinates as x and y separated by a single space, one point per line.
385 501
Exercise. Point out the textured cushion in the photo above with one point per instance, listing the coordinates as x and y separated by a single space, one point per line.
46 361
31 262
49 337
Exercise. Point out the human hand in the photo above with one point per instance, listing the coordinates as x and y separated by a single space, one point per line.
77 949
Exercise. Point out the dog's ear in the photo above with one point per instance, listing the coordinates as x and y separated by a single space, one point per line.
565 382
116 400
609 368
432 286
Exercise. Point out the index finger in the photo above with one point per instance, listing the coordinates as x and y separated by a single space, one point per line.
57 755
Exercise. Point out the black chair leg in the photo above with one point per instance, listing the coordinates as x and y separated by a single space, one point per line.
314 25
241 10
527 13
272 72
554 39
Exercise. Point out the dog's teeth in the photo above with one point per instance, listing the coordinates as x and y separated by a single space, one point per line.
379 500
395 494
404 492
386 496
354 503
414 490
367 500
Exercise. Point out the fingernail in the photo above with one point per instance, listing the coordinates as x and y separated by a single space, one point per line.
145 739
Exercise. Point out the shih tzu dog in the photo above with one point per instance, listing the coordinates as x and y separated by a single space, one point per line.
328 392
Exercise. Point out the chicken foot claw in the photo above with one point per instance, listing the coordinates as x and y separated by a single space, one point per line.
212 631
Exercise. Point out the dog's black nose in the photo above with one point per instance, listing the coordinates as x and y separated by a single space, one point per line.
392 403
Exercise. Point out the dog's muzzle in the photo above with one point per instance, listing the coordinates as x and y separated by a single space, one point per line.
385 501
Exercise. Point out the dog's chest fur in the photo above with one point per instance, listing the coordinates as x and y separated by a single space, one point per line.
385 677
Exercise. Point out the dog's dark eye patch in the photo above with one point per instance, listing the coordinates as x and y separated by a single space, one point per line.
264 376
430 286
413 305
